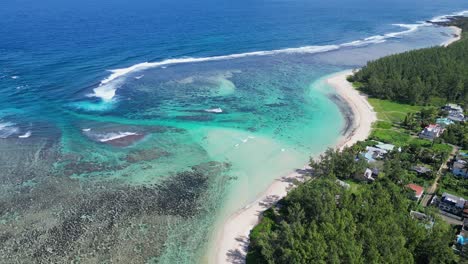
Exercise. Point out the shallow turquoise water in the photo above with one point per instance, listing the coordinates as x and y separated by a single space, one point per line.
138 165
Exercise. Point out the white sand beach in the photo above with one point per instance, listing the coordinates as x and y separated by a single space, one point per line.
232 240
456 36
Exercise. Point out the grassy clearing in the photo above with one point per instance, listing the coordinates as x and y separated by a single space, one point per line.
354 187
392 112
454 185
390 136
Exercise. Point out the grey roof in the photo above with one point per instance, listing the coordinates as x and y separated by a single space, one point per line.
460 164
460 202
421 169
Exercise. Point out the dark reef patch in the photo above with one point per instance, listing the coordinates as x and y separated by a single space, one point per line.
347 112
135 156
61 220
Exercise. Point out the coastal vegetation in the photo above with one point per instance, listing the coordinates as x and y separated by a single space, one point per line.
322 222
336 218
457 134
420 77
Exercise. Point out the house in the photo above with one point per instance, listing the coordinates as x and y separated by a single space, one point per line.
452 204
453 108
444 122
422 170
465 211
431 132
418 190
373 154
386 147
455 112
366 176
456 116
460 168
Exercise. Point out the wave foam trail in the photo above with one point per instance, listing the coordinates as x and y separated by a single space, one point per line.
214 110
7 129
109 136
108 86
114 136
25 135
445 18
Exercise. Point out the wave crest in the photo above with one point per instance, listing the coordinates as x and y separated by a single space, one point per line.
108 86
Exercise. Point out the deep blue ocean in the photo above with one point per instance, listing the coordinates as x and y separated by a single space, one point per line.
130 130
60 47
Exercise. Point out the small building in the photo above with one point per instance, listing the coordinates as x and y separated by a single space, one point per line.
453 108
431 132
465 211
422 170
460 168
366 176
373 154
444 122
418 190
452 204
386 147
456 116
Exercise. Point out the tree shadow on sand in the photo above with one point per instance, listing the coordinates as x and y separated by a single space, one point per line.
237 256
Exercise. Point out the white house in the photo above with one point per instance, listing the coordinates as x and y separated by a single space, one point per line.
431 132
453 108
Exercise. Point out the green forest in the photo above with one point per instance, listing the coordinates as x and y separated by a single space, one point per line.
420 76
322 222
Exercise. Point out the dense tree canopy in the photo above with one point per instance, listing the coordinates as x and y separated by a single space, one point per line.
457 134
415 77
322 222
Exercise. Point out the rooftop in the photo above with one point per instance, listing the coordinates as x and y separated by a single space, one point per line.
458 201
460 164
421 169
416 188
386 147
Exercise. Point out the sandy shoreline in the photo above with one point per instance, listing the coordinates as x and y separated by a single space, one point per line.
232 240
456 36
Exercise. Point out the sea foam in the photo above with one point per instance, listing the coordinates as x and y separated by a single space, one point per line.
108 86
114 136
25 135
7 129
214 110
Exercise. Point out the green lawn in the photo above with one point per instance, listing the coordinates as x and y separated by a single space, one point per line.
390 136
390 111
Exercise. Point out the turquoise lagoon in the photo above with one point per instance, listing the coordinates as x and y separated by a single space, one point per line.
141 164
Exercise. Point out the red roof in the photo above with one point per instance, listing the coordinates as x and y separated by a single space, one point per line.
416 188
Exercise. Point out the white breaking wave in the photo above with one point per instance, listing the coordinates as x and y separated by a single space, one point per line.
214 110
86 129
7 129
114 136
26 135
108 86
445 18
